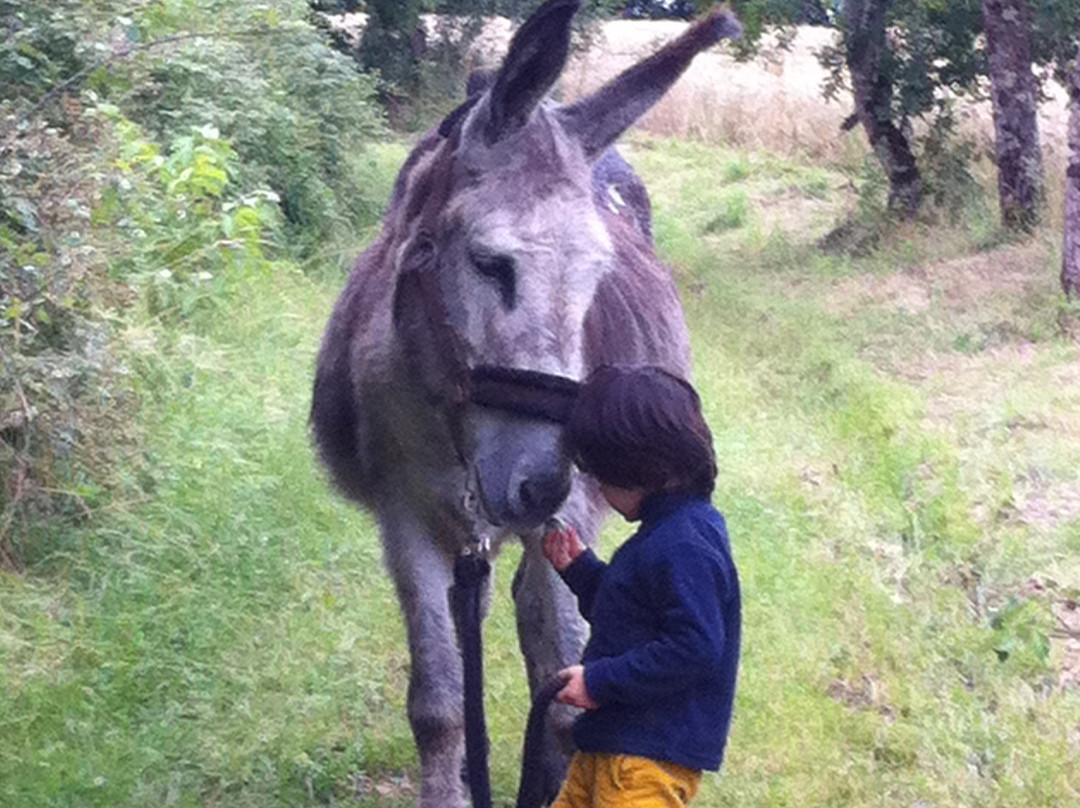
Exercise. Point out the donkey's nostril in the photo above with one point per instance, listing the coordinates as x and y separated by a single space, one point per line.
530 494
540 496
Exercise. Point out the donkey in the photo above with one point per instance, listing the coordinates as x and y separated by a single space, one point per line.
495 249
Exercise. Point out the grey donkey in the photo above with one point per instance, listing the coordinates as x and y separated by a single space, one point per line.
496 249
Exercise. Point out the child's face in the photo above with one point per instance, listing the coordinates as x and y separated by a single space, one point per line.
627 501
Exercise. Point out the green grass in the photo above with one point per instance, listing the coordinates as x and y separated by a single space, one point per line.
898 446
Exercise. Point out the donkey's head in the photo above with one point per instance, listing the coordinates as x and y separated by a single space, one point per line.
496 220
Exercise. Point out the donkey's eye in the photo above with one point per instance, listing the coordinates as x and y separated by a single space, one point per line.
502 270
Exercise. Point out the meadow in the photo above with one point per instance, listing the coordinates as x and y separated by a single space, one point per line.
899 456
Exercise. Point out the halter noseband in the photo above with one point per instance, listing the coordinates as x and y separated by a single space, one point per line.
524 392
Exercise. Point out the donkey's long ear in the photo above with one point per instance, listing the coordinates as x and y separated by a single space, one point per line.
536 57
599 119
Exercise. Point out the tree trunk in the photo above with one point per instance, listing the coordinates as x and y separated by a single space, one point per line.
873 91
1020 174
1070 264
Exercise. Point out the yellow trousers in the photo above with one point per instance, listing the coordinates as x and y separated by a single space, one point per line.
621 781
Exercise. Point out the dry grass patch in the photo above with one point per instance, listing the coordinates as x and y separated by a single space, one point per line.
806 214
1009 273
773 102
908 292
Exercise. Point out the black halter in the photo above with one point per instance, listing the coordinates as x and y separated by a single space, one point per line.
525 392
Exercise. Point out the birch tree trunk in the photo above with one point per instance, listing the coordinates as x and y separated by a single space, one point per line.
865 43
1007 24
1070 264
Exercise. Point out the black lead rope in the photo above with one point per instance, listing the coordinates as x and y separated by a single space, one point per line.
533 790
471 570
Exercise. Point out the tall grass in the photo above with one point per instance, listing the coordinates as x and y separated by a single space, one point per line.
897 443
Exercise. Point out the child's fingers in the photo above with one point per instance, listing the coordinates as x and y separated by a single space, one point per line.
568 676
551 540
567 696
558 546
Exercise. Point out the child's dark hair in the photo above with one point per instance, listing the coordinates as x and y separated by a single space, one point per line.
642 427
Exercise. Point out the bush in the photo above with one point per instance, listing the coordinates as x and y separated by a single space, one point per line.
181 233
946 160
860 232
297 113
143 161
64 403
40 46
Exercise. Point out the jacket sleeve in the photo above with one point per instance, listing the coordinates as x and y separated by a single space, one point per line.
583 577
689 587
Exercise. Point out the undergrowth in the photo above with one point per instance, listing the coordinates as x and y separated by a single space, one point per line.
144 154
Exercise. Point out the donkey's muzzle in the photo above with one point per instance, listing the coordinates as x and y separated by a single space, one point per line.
529 393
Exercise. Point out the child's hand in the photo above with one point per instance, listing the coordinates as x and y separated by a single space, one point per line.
574 692
561 547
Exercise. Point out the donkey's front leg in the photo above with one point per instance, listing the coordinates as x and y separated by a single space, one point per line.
423 573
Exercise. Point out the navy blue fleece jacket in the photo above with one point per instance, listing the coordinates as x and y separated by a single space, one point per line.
662 658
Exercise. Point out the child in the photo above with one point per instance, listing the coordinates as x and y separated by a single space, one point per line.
658 673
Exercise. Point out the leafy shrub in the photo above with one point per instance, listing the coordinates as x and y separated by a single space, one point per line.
183 234
735 170
1021 635
946 161
861 231
64 403
141 160
39 47
297 113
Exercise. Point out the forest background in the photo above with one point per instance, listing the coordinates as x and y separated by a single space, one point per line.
872 250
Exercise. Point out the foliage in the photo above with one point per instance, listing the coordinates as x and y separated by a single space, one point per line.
142 161
64 402
948 182
1022 635
37 50
1055 36
182 233
658 9
154 222
63 398
297 113
45 43
931 47
934 52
